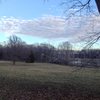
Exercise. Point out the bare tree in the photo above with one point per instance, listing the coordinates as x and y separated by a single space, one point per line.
14 45
65 46
65 49
79 7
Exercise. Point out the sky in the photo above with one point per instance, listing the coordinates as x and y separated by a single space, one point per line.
36 21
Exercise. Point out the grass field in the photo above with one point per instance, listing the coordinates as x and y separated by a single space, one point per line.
41 81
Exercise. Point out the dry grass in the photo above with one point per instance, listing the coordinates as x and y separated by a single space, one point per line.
41 81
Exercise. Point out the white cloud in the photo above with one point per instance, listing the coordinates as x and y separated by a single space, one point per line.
51 27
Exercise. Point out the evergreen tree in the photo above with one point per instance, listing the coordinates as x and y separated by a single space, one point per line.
30 58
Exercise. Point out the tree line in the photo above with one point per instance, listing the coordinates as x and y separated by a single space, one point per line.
17 50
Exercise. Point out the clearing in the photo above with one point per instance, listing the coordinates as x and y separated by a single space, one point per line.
42 81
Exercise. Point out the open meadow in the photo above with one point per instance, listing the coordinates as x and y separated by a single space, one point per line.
42 81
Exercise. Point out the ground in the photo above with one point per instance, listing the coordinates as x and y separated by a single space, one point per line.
41 81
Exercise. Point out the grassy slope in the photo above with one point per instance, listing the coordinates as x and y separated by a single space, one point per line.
48 82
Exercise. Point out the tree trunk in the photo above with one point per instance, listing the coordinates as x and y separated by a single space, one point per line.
14 62
98 5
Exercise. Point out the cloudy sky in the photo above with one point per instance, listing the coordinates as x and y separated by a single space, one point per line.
36 21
